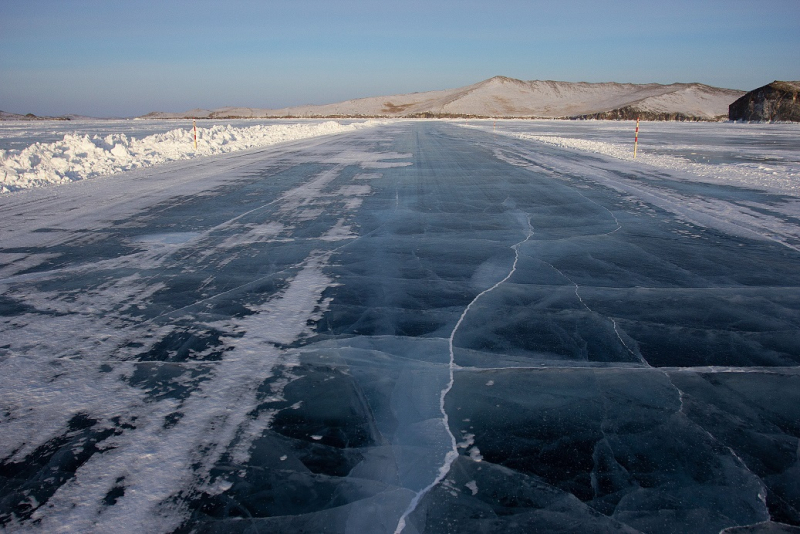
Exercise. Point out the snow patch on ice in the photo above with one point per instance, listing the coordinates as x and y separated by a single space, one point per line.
167 239
156 460
256 233
339 232
469 440
475 454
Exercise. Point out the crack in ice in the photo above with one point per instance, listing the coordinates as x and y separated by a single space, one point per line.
762 494
452 454
636 354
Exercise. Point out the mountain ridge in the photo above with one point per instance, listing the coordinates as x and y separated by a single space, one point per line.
503 97
6 116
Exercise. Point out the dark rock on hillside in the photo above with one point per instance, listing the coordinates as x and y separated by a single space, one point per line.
777 101
629 113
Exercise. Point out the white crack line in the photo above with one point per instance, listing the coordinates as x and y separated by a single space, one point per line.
452 454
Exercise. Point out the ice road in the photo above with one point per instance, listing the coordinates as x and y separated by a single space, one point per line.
419 327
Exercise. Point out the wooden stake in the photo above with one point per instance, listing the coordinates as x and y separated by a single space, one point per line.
636 139
194 125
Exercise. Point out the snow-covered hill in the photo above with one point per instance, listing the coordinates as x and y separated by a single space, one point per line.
507 97
6 116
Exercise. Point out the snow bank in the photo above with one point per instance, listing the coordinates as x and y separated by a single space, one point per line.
765 176
78 157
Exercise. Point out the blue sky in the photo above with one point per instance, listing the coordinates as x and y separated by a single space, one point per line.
126 58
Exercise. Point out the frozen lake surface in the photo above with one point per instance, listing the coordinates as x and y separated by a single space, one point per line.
423 327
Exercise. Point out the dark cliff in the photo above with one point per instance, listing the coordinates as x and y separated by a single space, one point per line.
777 101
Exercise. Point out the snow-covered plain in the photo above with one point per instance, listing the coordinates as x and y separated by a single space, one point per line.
86 149
416 327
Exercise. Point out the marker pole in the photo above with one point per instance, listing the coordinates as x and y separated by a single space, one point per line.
636 139
194 125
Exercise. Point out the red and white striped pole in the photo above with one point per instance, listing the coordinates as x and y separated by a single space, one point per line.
194 125
636 139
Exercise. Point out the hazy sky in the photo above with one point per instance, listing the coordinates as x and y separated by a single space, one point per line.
126 58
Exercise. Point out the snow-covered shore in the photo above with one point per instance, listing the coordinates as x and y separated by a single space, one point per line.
78 157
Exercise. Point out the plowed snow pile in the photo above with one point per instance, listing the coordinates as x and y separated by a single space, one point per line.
77 157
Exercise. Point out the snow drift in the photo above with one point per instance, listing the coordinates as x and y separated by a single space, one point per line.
77 157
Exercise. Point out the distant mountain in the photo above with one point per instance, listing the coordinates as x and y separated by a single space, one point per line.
508 98
5 116
777 101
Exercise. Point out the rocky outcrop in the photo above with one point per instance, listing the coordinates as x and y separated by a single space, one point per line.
630 113
778 101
